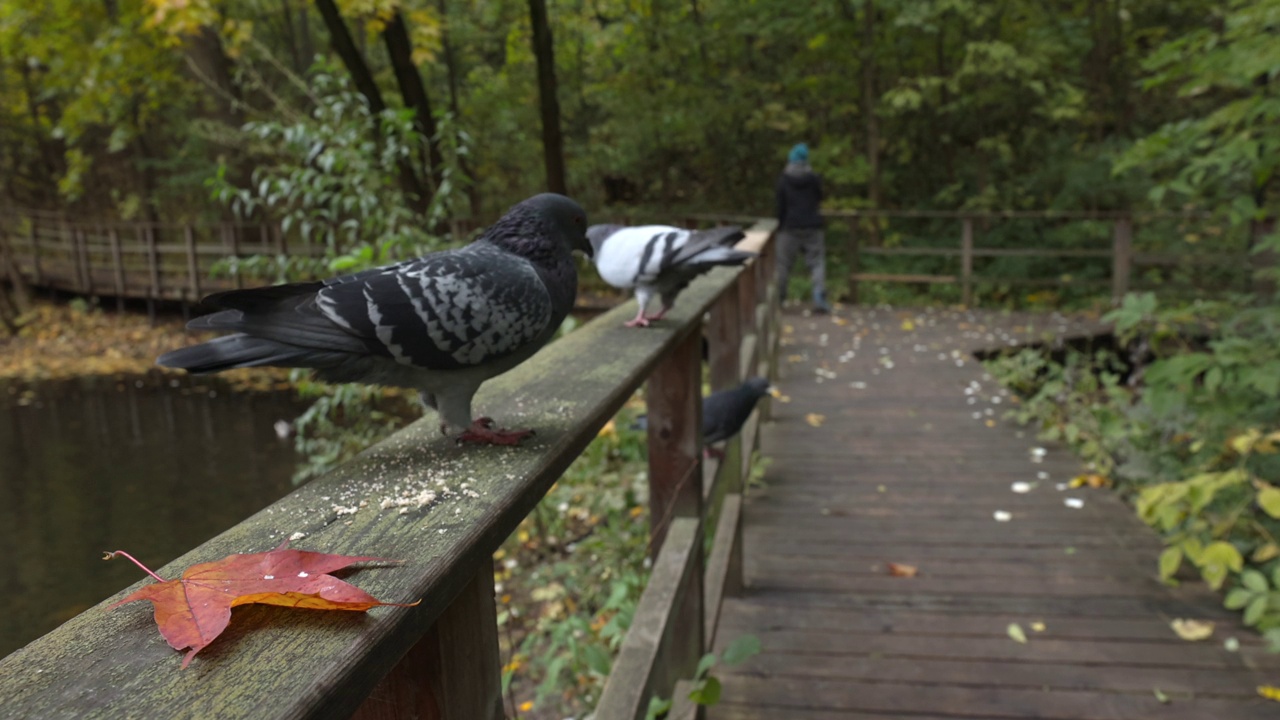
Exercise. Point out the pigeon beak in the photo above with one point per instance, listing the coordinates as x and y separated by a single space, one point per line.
585 246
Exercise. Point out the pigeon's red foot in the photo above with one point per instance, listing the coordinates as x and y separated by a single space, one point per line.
637 321
661 314
482 432
715 452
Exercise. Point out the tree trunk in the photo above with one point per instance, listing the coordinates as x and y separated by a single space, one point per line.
552 139
210 63
872 125
451 74
417 194
400 50
869 101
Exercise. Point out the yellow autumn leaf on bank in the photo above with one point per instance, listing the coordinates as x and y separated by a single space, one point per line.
815 419
1192 630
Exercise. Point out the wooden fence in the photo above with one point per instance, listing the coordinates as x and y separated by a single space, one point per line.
440 659
1120 253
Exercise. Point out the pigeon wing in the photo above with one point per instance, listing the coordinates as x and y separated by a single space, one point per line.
445 311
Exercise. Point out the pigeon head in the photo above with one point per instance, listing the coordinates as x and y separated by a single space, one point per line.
757 386
549 216
597 234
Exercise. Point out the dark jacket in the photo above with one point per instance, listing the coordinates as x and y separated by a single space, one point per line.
799 195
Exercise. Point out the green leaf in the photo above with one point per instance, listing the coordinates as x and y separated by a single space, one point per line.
1016 633
708 693
1269 500
742 647
704 665
1237 599
1254 580
1170 560
1253 613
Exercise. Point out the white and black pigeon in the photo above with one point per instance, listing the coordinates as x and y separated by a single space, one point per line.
441 324
725 412
660 259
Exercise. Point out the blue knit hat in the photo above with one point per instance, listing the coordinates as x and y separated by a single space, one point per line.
799 153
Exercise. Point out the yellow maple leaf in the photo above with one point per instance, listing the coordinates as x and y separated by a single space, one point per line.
1192 630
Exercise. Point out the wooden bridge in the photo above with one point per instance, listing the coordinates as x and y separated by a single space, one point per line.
911 463
890 449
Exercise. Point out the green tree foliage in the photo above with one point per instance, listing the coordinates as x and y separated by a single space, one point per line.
937 103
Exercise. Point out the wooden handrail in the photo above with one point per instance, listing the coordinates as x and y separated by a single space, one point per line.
440 658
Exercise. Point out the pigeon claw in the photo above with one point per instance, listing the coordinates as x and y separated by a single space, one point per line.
713 452
482 432
638 321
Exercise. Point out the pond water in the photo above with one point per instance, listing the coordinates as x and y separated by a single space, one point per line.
132 464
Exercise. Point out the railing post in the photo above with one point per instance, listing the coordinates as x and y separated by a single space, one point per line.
454 672
674 398
148 233
966 262
193 267
854 260
117 266
37 275
724 335
1121 258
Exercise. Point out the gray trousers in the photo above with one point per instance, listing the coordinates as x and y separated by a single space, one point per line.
812 244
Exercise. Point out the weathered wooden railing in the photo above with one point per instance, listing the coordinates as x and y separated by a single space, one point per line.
1121 253
440 659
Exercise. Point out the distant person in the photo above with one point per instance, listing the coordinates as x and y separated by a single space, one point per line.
799 195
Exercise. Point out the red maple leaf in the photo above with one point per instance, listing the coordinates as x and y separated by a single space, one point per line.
193 610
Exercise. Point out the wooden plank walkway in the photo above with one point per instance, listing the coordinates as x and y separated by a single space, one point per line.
910 465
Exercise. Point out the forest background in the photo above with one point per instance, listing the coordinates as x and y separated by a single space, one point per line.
148 109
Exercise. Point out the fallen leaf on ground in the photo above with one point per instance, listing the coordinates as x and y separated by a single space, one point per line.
1161 697
193 610
1038 626
776 394
1002 515
1192 630
815 419
1270 692
1016 633
908 325
1092 480
900 570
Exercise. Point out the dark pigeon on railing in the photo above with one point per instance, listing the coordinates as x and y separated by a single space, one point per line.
441 324
660 259
724 412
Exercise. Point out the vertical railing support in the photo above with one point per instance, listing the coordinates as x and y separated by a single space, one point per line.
117 267
854 259
674 398
193 265
966 262
454 672
148 233
724 337
1121 258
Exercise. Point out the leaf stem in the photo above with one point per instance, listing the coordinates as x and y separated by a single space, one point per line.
111 555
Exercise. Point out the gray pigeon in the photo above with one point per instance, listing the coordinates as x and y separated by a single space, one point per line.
441 324
725 412
660 259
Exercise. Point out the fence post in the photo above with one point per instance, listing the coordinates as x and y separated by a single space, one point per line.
117 265
966 262
193 267
37 275
1121 258
454 672
148 233
724 335
853 250
674 397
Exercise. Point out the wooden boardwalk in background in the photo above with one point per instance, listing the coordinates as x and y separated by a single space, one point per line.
909 465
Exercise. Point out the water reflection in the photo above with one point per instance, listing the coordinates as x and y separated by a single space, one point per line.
107 464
